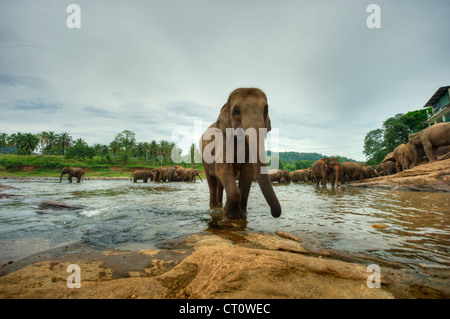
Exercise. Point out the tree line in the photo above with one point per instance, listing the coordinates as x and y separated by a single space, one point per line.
394 131
123 147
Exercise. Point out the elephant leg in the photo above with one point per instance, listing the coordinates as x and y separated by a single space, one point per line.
79 179
398 167
232 208
428 148
245 182
219 194
212 183
434 153
70 178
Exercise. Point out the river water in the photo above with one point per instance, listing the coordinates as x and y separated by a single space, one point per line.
119 214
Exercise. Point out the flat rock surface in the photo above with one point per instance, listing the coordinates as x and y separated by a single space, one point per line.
425 177
245 265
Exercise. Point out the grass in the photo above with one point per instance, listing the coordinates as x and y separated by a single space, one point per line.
51 166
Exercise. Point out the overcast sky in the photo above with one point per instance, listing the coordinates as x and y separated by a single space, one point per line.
155 66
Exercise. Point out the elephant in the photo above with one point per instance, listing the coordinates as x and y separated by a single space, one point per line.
191 174
404 156
352 171
430 139
379 170
388 168
280 176
310 174
72 171
142 174
179 174
368 172
246 109
162 174
326 168
299 175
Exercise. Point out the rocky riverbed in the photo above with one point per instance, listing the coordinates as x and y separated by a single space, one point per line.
228 265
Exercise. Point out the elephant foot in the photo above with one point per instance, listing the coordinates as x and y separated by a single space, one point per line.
234 215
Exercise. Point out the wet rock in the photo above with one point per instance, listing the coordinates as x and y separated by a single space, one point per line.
8 195
287 236
50 204
379 226
4 186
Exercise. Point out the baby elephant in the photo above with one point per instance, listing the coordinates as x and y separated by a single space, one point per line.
72 171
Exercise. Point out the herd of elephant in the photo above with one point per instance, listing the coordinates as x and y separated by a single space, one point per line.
424 146
167 174
324 170
160 174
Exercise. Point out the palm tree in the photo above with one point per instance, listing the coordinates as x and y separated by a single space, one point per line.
164 150
65 141
29 144
51 139
80 141
114 147
3 142
15 140
153 150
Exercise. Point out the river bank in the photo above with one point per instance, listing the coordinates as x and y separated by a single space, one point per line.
204 266
433 177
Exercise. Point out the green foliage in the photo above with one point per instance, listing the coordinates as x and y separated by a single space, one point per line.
395 130
80 151
292 161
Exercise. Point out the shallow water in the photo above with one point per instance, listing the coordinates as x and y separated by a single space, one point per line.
125 215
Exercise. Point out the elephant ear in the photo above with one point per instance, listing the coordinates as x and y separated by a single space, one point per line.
267 123
224 121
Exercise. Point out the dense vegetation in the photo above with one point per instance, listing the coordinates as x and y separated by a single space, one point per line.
395 130
292 161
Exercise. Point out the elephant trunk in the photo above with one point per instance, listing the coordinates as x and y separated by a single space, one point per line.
336 169
264 180
60 178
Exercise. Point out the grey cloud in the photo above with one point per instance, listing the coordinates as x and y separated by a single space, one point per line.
21 80
31 105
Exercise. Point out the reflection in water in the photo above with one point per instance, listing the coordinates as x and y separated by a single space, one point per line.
121 214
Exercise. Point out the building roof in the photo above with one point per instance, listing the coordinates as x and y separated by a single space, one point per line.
436 96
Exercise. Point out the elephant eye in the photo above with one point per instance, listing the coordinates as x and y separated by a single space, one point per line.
236 112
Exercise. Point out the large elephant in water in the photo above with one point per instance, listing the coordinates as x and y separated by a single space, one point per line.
72 171
246 111
430 139
326 168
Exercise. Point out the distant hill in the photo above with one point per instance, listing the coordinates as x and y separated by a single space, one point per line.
292 157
